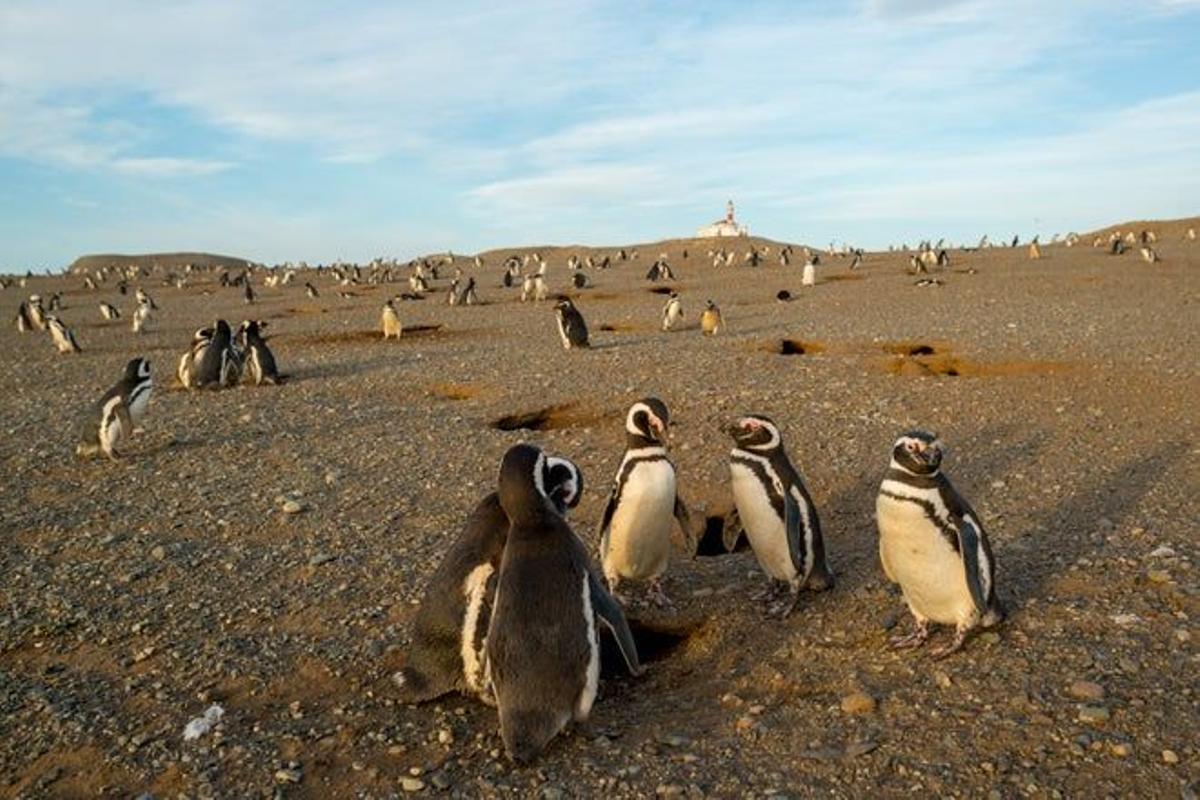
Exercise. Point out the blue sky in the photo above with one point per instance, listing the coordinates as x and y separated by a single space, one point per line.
292 130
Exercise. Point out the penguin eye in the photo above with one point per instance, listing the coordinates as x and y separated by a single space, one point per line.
911 447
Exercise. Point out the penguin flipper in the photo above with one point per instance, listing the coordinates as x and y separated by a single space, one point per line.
684 517
974 558
794 526
609 612
606 520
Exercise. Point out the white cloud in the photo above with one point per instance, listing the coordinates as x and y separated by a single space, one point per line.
161 167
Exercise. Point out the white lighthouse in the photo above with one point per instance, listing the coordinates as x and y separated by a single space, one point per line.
723 227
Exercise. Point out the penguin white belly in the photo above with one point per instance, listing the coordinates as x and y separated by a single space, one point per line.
764 528
639 535
475 591
917 556
137 405
111 429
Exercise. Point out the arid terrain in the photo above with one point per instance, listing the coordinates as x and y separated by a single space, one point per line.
135 595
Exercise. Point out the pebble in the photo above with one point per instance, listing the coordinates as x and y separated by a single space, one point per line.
445 736
1086 690
440 780
292 507
288 776
858 703
942 679
158 552
1120 749
411 784
1159 576
1163 551
669 790
1093 714
1170 757
321 558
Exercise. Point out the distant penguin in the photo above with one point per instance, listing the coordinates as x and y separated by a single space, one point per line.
121 409
1035 251
24 319
37 314
258 358
311 290
141 317
467 296
1191 234
214 362
143 297
64 337
710 319
571 326
932 543
1149 255
110 312
579 280
636 529
672 312
776 510
809 277
389 320
247 292
55 302
527 287
543 644
858 260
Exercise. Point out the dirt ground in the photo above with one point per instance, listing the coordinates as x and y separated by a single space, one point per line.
135 595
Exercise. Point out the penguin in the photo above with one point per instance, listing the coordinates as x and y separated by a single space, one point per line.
24 319
259 360
448 635
247 292
579 280
389 320
467 296
113 418
636 530
809 276
858 259
37 314
64 337
214 361
141 317
110 312
776 510
543 645
311 290
143 297
1149 255
55 302
933 545
571 326
1035 252
672 313
710 319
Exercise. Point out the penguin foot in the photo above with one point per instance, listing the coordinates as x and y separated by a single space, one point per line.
782 610
658 596
938 653
914 639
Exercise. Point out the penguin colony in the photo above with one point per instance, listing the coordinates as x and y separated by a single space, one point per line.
518 572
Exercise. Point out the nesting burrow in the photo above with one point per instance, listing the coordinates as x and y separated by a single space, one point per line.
792 347
923 360
553 418
660 290
656 640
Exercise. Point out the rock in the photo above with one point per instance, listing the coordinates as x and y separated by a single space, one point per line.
445 736
409 784
942 679
858 703
321 558
1170 757
158 552
292 507
1158 576
674 740
1163 551
288 775
1093 715
440 780
669 790
1120 749
1086 690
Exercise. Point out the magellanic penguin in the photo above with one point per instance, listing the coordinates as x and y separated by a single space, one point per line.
543 644
259 360
776 510
389 320
571 326
449 632
37 314
809 276
932 543
121 409
636 530
710 319
110 312
24 319
141 317
64 337
214 360
672 313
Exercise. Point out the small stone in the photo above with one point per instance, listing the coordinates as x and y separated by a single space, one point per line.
445 736
158 552
1093 714
411 784
1159 576
292 507
1170 757
858 703
1163 551
290 775
1086 690
669 790
321 558
1120 749
674 740
1182 635
989 637
942 679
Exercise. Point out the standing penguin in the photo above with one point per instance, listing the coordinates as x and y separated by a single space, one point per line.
448 649
247 291
932 543
311 290
214 360
710 319
24 319
37 314
672 312
143 297
571 326
110 312
809 277
776 510
259 359
635 532
64 337
141 317
117 413
389 320
543 646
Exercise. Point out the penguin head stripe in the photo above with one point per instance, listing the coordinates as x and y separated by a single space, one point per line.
756 432
648 418
564 482
137 369
918 453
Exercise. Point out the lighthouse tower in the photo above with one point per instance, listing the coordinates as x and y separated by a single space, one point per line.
723 227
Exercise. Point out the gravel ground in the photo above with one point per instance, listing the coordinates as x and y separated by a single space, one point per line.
136 595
